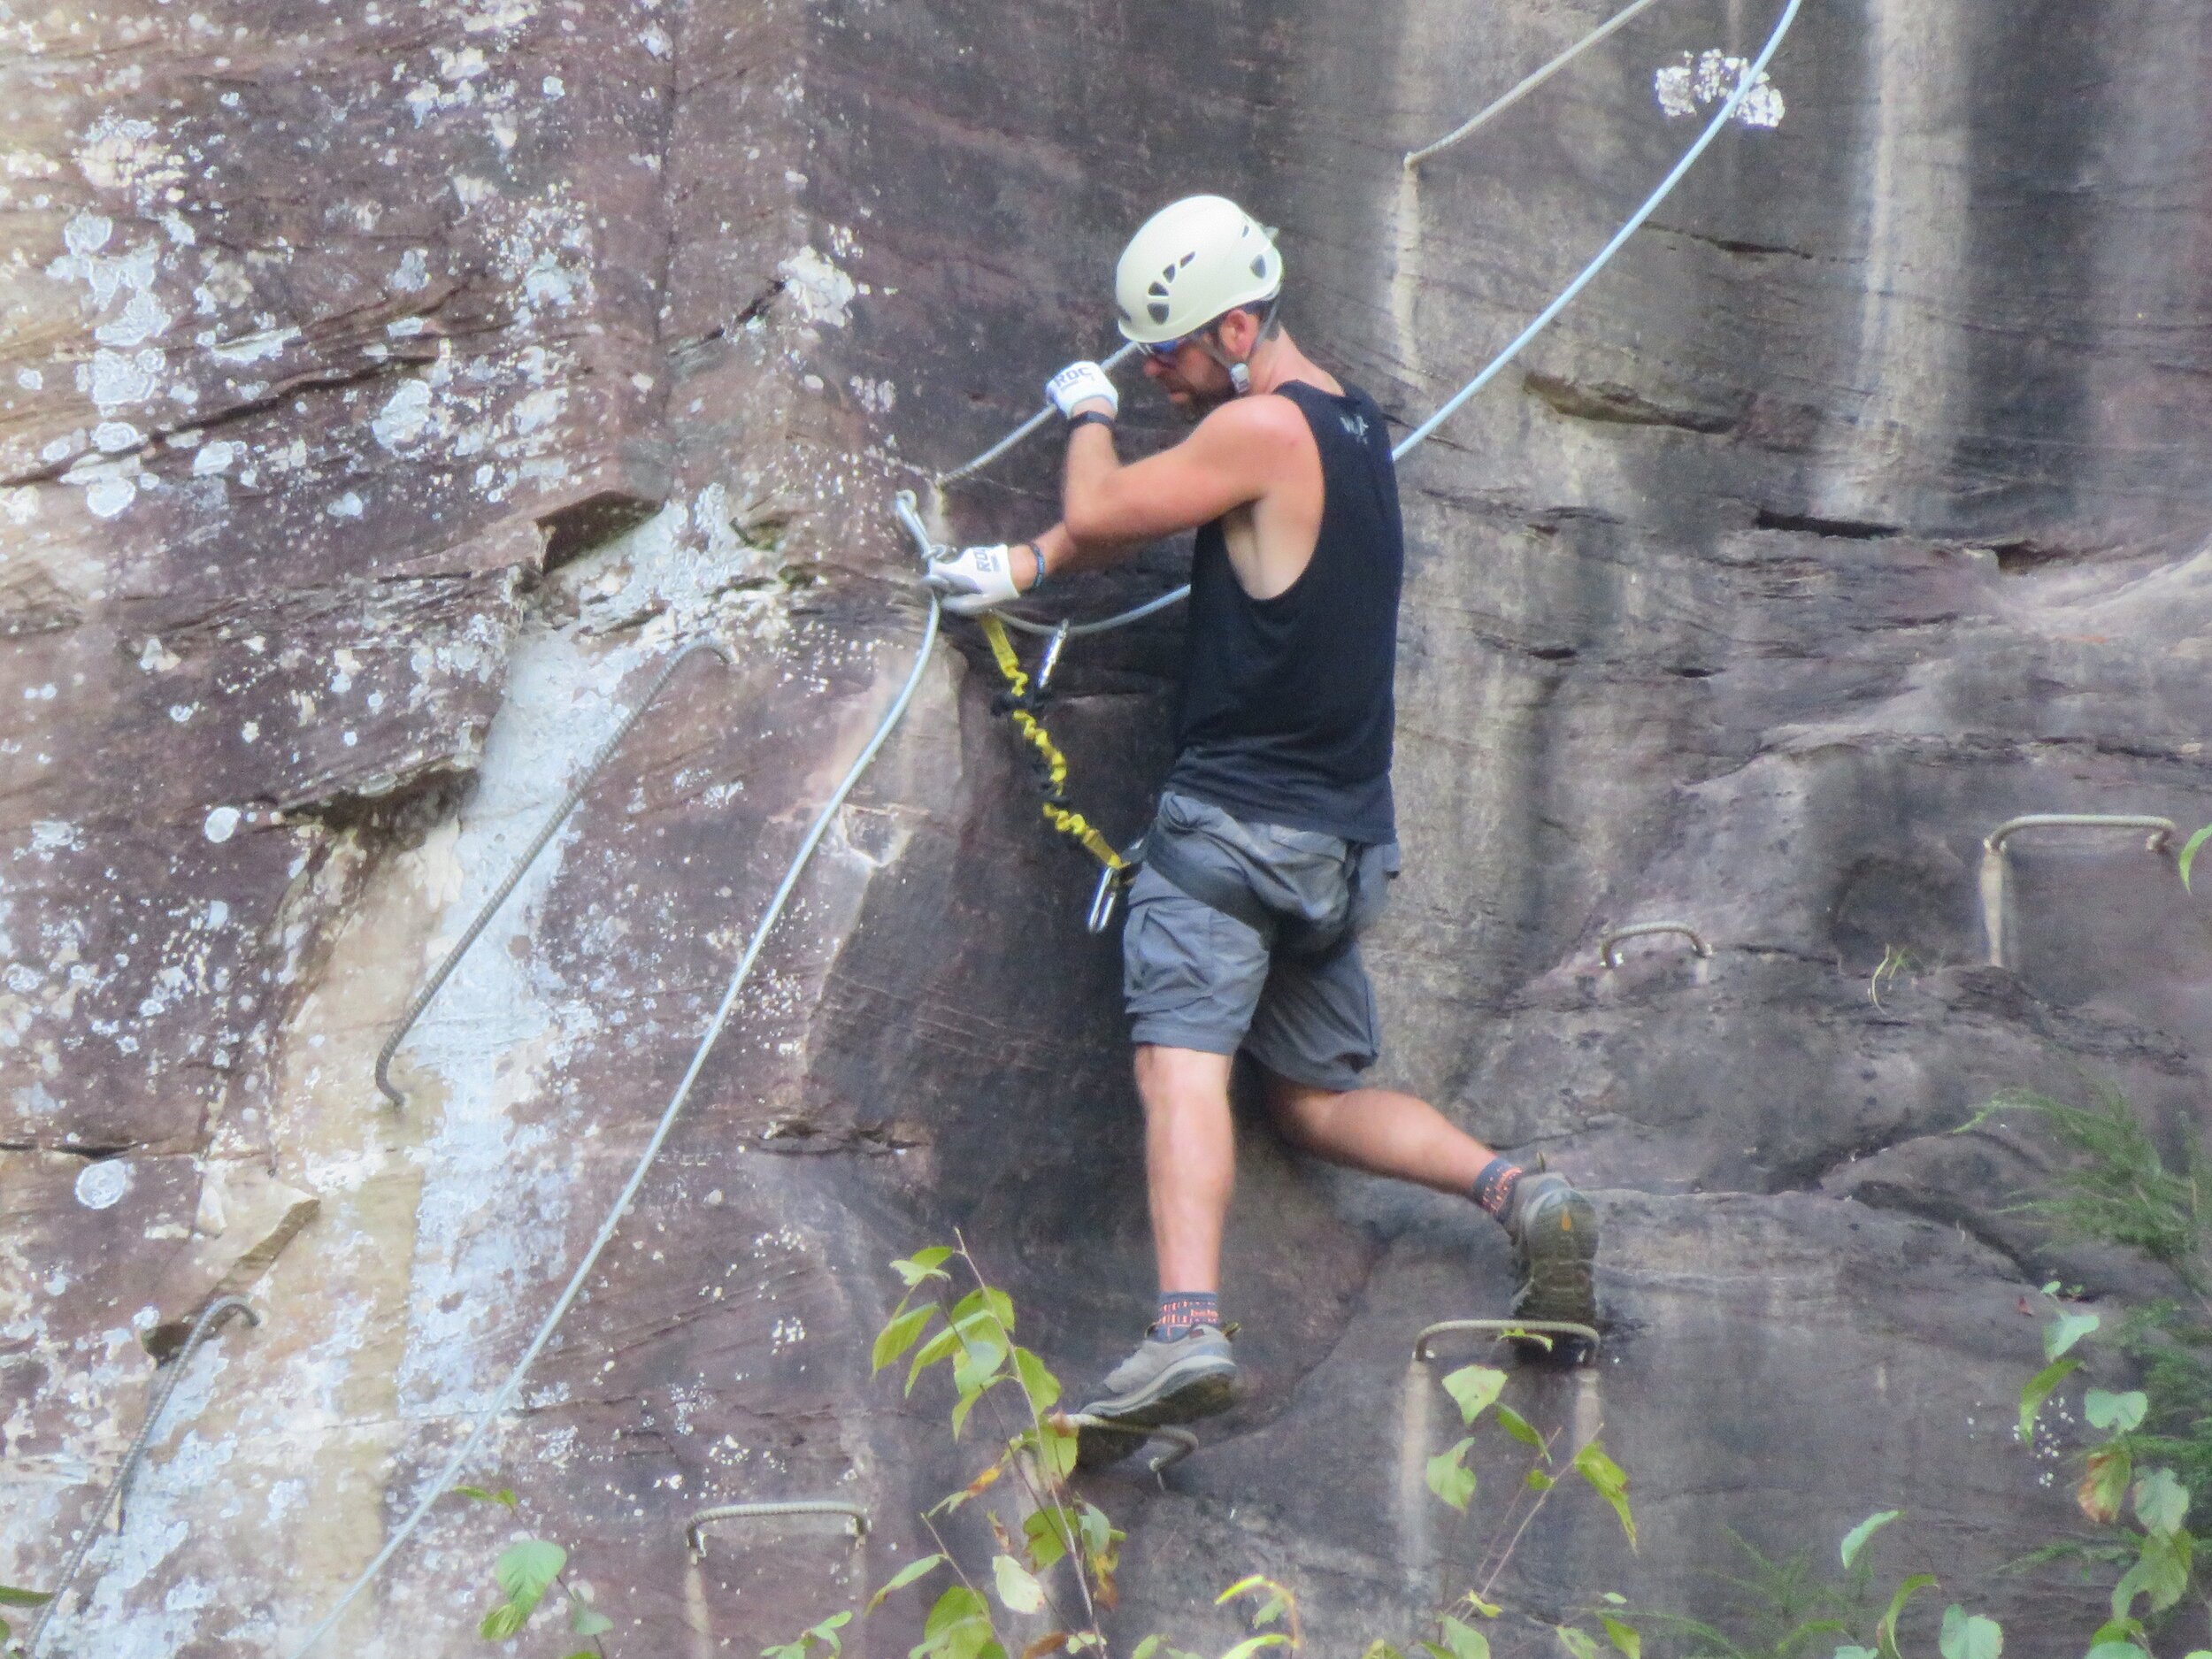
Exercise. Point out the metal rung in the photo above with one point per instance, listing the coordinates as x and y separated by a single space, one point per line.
1183 1441
1505 1330
762 1511
2162 830
1608 952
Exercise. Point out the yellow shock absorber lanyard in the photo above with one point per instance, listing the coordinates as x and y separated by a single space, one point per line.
1057 813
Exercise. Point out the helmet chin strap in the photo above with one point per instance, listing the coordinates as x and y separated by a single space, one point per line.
1240 372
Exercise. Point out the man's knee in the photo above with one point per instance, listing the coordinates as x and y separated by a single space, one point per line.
1169 1079
1302 1112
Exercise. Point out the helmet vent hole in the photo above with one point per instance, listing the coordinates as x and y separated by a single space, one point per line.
1259 266
1158 290
1185 260
1158 310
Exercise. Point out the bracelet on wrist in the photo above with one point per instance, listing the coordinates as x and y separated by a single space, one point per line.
1037 553
1089 416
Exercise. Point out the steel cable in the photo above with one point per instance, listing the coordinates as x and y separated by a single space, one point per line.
202 1327
443 1480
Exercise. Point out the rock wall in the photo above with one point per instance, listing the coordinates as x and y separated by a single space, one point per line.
390 390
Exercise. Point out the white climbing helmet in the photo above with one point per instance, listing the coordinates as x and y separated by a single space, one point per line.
1192 261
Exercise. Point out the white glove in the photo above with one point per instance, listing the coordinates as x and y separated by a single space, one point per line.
974 578
1078 383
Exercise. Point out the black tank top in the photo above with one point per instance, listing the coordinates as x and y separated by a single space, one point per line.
1287 709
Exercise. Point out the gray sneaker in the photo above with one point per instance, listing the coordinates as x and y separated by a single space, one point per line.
1178 1381
1555 1233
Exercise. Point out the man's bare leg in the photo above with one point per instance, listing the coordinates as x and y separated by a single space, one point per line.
1380 1131
1553 1227
1190 1162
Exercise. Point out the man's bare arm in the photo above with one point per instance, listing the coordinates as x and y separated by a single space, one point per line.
1234 456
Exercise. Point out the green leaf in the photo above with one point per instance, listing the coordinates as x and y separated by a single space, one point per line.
1475 1388
1057 1448
1513 1423
1380 1649
1626 1638
1450 1478
1047 1531
923 1264
1461 1642
503 1497
2118 1630
1855 1540
2116 1650
1251 1645
1885 1632
2121 1414
587 1620
1016 1587
1537 1480
2189 855
941 1346
1581 1645
2038 1390
958 1605
2160 1572
503 1622
963 1405
525 1570
903 1577
9 1596
1041 1386
2161 1502
903 1331
1610 1482
1969 1636
584 1653
2067 1329
1849 1652
1097 1531
1146 1648
2105 1485
986 1308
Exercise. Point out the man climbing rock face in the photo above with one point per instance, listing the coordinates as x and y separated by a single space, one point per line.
1275 839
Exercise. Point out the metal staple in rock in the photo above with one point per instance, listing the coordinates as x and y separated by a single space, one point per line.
490 907
1608 947
764 1510
202 1327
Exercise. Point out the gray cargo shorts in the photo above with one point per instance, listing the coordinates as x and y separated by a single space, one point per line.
1294 996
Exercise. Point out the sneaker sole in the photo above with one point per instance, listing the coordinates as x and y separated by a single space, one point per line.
1182 1394
1559 1252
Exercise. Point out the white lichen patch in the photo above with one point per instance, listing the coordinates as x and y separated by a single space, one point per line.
821 291
1703 80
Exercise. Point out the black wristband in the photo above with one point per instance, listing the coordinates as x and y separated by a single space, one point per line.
1087 417
1038 554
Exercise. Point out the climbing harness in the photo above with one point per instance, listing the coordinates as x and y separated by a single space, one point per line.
505 1395
1608 947
1020 702
490 907
1509 1331
852 1512
205 1326
1118 868
2162 831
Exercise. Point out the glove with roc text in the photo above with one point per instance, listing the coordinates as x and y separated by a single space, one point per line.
974 578
1080 383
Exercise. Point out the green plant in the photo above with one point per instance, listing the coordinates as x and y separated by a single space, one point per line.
1896 960
966 1332
9 1596
523 1571
2189 854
